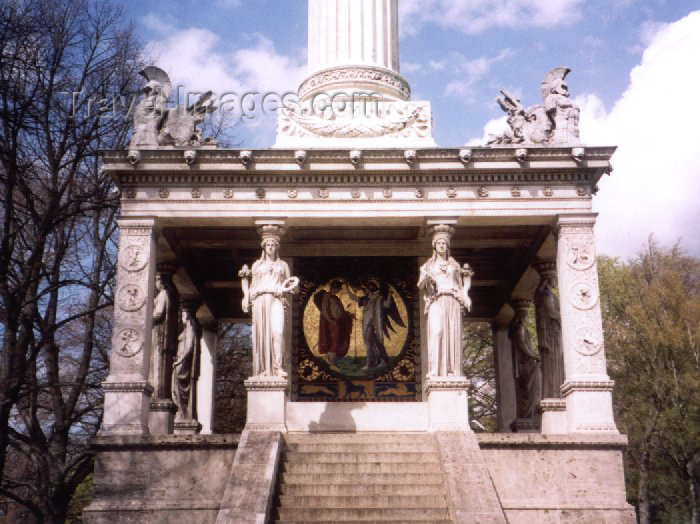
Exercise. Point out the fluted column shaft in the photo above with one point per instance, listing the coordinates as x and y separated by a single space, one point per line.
353 32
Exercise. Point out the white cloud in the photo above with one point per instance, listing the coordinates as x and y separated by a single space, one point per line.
471 72
496 126
655 187
194 60
474 16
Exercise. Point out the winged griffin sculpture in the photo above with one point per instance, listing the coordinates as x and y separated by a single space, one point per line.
155 124
552 123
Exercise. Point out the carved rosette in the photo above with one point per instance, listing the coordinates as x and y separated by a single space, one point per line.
132 314
582 329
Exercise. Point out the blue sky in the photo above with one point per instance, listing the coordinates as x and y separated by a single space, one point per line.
635 72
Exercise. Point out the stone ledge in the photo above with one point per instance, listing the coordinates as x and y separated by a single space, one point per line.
519 505
128 442
155 505
539 441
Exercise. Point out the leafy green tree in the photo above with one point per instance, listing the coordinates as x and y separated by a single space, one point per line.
651 314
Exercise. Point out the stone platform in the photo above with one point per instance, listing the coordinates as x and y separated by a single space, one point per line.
342 477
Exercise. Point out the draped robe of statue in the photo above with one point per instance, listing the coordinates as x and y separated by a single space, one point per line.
549 339
269 303
163 336
186 368
527 375
444 300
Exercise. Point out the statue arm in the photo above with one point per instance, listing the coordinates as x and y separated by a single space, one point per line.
425 281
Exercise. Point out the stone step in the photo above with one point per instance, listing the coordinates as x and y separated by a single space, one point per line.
349 457
445 521
361 479
364 489
362 515
363 501
359 438
361 467
362 447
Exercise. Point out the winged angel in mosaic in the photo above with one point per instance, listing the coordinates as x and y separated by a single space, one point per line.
379 316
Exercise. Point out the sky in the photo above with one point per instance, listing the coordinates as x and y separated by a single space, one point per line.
635 74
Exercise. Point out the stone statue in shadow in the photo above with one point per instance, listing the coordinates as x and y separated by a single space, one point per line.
186 366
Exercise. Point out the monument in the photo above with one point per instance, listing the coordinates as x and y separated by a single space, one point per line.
357 249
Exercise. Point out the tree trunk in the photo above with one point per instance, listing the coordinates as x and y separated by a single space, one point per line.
693 488
643 489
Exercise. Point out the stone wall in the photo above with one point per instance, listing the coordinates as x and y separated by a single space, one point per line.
558 478
173 479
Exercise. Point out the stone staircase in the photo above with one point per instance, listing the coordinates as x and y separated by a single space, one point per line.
360 477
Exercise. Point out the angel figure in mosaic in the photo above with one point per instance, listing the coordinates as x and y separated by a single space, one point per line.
379 314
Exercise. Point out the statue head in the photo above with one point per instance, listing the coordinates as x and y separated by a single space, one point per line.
336 286
442 233
270 245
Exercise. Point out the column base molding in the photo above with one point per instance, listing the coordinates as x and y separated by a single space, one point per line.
589 406
267 397
160 417
126 408
447 403
525 425
186 427
553 416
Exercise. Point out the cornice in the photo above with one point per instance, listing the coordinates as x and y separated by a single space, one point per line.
165 155
372 178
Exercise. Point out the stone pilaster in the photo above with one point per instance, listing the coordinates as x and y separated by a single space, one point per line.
127 391
587 388
505 377
206 382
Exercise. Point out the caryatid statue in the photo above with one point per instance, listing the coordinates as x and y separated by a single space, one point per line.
526 363
446 294
186 366
265 288
166 305
548 319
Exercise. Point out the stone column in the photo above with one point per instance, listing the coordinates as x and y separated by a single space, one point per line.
127 391
505 377
587 389
356 32
206 386
354 48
